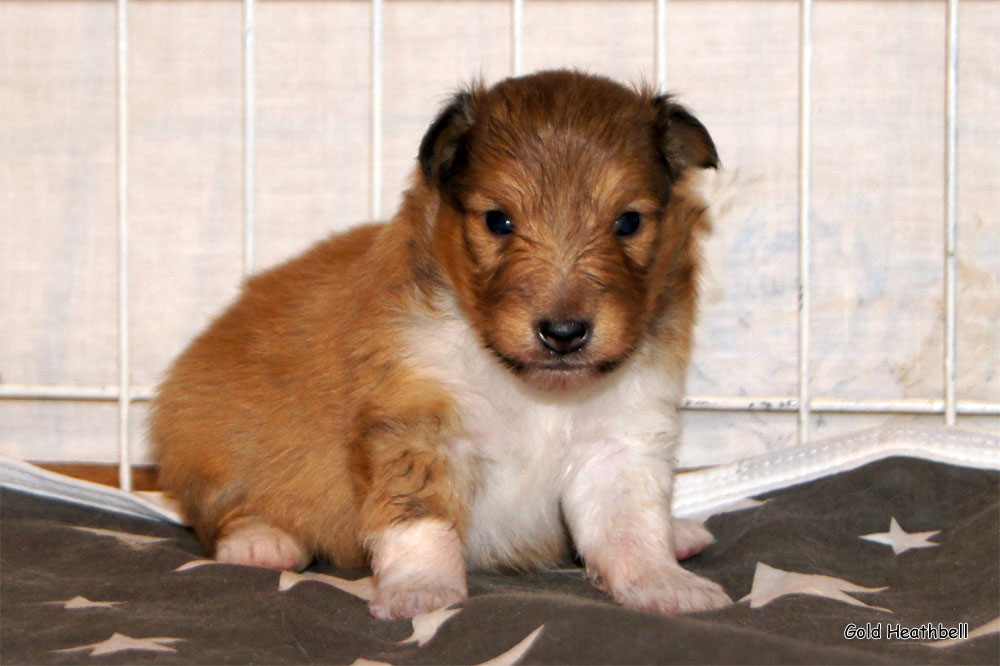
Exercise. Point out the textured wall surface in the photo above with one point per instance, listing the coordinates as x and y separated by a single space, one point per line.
878 183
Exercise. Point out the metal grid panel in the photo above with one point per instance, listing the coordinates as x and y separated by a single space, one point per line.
125 394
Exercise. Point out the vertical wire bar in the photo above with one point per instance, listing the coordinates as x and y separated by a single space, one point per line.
249 131
516 35
805 135
375 180
951 223
660 44
124 391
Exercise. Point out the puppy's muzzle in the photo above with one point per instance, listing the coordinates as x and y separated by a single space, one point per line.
564 337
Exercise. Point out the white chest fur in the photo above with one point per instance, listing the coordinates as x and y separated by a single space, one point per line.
522 446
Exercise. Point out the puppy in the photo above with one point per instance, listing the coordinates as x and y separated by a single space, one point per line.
496 366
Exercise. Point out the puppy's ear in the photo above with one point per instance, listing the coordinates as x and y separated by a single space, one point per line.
683 140
442 150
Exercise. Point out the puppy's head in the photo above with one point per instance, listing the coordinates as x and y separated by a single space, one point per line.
554 227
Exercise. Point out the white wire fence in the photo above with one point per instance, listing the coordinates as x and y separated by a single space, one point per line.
804 404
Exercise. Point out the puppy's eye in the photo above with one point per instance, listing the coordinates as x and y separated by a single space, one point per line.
498 222
627 223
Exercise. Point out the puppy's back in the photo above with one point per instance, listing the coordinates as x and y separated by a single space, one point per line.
255 417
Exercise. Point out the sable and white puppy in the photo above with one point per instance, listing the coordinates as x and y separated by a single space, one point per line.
459 386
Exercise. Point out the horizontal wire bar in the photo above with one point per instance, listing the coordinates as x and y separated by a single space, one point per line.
109 393
839 405
99 393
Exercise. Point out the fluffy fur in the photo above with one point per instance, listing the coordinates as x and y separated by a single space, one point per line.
442 389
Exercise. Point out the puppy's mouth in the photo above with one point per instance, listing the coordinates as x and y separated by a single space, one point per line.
561 367
601 368
563 371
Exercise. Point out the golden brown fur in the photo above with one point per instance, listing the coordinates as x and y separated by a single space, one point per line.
292 402
300 405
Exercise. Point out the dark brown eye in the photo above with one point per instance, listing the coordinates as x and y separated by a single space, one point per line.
498 223
627 223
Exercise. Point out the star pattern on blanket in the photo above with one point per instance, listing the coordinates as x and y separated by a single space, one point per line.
805 548
363 588
506 658
134 541
991 627
120 643
901 540
426 625
79 602
194 564
514 655
770 583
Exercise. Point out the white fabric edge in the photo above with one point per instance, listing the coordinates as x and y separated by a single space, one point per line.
697 494
25 477
703 492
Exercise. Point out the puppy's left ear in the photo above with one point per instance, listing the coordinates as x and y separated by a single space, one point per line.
684 141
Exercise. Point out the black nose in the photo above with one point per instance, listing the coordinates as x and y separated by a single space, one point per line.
563 337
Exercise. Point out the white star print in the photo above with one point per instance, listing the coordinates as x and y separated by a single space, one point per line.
194 564
508 658
83 602
770 583
120 643
426 625
363 588
134 541
901 540
513 655
991 627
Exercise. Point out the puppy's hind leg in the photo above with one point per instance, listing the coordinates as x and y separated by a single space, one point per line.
413 516
419 567
252 541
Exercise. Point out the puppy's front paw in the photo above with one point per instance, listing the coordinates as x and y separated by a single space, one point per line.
676 590
690 538
397 601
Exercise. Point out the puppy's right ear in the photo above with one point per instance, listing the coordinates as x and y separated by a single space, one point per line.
443 150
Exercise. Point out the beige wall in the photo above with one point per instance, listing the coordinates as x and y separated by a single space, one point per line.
878 186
